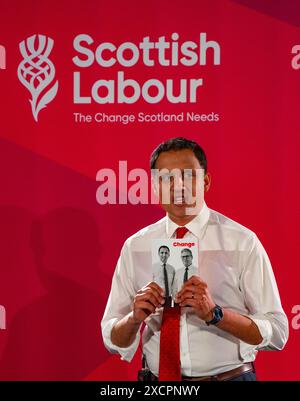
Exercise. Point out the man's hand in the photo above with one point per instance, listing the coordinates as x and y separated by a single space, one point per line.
145 302
148 298
195 293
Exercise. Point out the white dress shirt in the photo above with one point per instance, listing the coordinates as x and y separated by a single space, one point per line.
234 264
179 277
159 276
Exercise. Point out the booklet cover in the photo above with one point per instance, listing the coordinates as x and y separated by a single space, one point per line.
174 261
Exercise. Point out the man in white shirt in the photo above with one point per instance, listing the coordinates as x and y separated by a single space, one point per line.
187 271
235 305
164 273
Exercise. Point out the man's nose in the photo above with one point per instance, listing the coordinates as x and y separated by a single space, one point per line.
178 183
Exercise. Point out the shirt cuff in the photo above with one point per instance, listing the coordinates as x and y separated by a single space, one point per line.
265 329
126 353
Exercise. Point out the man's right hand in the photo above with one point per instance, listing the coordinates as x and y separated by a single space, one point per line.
148 298
145 302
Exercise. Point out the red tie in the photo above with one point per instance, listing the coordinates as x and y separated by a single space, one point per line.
169 354
181 231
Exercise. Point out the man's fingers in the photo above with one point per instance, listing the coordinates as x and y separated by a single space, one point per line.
150 297
189 302
187 295
195 280
156 287
144 305
200 296
200 289
156 293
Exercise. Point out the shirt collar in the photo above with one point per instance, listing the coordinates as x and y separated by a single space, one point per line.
195 226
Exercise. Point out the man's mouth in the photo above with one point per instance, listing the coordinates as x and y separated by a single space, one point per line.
179 200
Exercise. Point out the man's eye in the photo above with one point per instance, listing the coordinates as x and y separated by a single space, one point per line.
188 174
166 178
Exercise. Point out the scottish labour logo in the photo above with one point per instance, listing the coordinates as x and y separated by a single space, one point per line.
37 72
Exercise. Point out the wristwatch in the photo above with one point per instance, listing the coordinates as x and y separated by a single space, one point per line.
217 315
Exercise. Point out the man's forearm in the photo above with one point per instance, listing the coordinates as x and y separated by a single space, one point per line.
124 331
241 327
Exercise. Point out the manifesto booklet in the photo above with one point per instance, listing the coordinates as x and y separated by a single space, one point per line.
174 261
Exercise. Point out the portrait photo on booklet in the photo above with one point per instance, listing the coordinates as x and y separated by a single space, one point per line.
174 261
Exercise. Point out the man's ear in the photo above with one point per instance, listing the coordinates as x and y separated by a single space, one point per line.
207 182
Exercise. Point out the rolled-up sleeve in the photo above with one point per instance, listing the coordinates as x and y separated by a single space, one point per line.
119 304
262 298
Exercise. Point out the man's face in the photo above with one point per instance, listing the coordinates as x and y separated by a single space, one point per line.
164 255
187 258
184 185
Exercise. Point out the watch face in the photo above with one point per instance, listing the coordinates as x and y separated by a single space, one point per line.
218 312
217 315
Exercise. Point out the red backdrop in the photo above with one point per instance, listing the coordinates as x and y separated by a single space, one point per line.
56 251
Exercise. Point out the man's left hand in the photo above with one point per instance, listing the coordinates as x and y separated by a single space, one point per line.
195 293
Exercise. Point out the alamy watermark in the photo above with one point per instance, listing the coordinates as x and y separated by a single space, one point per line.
181 188
296 318
296 58
2 58
2 318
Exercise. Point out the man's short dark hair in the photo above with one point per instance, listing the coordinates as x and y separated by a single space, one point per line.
163 246
179 143
187 250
